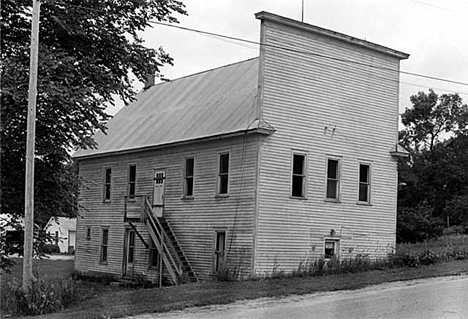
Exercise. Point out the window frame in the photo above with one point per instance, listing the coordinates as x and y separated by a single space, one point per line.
338 178
107 185
336 248
130 182
219 174
187 178
216 264
304 175
369 183
151 257
104 246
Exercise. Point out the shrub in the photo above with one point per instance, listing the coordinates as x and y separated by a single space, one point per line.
227 272
50 249
417 224
45 295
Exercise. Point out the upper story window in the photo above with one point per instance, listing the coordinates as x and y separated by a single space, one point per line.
107 183
188 182
333 179
131 180
364 183
298 181
223 174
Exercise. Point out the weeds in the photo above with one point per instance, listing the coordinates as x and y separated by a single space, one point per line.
45 295
407 255
227 272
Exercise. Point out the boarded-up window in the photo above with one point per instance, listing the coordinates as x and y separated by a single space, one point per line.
223 175
333 179
298 176
131 180
364 183
220 250
189 169
107 183
104 244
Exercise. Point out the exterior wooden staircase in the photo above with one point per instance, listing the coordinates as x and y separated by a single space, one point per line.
173 257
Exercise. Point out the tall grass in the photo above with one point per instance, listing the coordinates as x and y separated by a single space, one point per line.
406 255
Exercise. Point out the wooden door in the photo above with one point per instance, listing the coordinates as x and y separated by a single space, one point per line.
159 181
129 253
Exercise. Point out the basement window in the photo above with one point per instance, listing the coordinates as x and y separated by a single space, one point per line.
331 248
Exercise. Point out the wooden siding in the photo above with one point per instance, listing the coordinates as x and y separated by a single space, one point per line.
193 220
324 107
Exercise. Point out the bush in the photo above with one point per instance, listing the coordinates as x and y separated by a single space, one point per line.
226 272
417 224
50 249
45 295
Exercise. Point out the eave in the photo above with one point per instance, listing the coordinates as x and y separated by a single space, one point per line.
253 129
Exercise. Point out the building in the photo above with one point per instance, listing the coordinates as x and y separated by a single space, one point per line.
254 166
63 230
11 229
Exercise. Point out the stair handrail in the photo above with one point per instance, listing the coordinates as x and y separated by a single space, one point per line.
181 250
162 234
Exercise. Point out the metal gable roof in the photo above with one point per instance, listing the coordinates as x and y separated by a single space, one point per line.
206 104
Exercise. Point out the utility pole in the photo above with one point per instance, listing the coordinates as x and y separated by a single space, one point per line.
30 146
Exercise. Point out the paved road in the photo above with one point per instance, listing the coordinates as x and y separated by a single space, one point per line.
445 297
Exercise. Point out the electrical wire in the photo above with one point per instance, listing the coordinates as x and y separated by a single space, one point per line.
217 35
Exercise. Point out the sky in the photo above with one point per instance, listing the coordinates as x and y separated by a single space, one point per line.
433 32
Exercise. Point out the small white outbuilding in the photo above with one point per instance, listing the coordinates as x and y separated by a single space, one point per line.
64 232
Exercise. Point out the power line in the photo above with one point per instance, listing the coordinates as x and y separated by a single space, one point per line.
311 53
217 35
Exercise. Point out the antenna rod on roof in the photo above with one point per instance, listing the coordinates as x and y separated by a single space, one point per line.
302 11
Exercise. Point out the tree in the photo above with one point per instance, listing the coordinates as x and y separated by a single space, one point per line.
436 134
87 52
432 119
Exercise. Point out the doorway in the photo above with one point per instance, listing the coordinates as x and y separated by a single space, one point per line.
129 253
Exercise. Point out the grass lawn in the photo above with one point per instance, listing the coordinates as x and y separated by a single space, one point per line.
119 302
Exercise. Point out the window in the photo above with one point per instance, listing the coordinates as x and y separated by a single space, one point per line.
364 183
331 248
298 188
107 183
88 232
153 258
333 179
56 238
131 247
104 244
131 180
223 175
220 250
188 183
